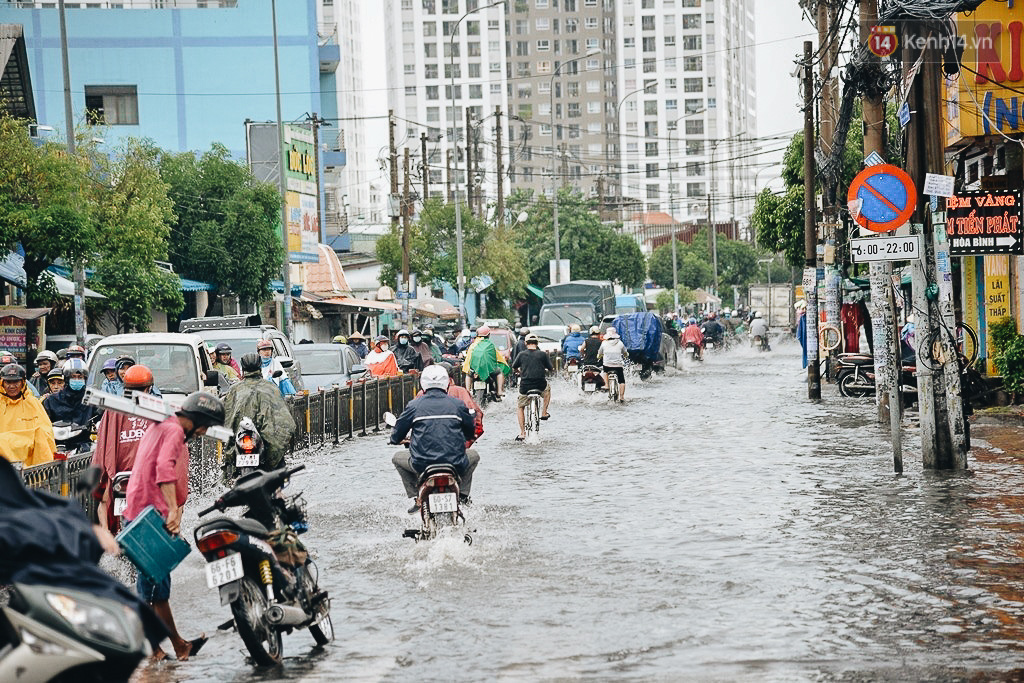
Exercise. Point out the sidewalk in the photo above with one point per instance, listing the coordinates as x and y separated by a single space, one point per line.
998 430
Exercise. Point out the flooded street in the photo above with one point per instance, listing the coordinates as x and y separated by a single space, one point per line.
716 526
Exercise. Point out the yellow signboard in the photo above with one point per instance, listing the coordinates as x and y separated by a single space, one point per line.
981 99
997 298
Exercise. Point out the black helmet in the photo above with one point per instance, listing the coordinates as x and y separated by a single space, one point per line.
223 347
203 408
250 362
12 372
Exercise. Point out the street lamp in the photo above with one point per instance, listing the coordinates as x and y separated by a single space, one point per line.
671 204
554 182
455 141
711 224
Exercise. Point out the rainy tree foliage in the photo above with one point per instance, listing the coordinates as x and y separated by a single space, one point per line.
486 250
108 211
778 219
596 251
737 263
226 227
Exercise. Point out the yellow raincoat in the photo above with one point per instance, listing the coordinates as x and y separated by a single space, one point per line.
26 434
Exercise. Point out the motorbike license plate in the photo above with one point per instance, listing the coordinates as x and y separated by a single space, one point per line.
574 368
479 385
589 386
247 460
119 506
443 502
224 570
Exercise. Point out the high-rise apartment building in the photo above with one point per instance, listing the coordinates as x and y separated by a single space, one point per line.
688 110
446 58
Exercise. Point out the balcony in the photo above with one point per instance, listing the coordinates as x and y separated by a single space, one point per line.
329 52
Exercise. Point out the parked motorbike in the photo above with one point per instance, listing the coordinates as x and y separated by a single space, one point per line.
856 377
590 379
66 620
260 568
438 497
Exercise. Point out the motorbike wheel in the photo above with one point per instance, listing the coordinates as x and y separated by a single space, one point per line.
851 385
613 388
322 631
262 641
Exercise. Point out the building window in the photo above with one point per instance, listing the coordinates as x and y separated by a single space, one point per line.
410 90
670 41
495 88
651 149
691 21
572 25
543 67
693 63
433 114
651 129
691 43
671 105
544 87
574 110
593 86
647 23
693 106
473 49
650 65
430 50
629 62
431 92
651 107
590 3
407 26
694 189
543 45
112 105
591 44
693 85
691 3
406 4
448 92
694 168
472 28
430 70
712 103
593 107
695 127
650 44
647 4
590 22
448 71
451 49
410 69
543 24
495 67
694 147
476 92
670 84
652 191
474 69
429 29
629 42
541 4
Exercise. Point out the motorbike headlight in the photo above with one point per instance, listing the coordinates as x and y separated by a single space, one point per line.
95 622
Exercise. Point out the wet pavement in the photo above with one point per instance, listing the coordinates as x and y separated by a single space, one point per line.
716 526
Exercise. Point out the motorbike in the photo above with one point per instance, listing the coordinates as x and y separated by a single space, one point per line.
760 342
260 568
572 366
856 377
66 619
484 390
73 439
119 496
590 379
693 351
438 497
249 447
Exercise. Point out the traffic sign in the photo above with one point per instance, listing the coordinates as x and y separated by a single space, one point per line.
887 197
873 159
886 249
984 223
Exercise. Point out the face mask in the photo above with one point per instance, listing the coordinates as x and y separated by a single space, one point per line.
402 341
77 384
415 340
383 347
265 361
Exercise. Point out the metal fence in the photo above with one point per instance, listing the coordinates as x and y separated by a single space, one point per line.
323 418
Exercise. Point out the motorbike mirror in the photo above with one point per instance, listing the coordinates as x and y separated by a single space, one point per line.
89 479
278 373
390 420
212 378
285 361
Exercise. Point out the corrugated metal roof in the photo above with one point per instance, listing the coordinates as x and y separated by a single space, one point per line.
195 285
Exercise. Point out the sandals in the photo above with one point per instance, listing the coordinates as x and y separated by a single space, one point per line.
545 417
520 438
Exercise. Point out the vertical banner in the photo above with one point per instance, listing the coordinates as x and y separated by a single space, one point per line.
969 289
997 298
811 295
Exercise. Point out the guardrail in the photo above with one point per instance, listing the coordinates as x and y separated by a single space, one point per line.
324 417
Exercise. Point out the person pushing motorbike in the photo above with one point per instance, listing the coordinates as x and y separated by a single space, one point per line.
438 426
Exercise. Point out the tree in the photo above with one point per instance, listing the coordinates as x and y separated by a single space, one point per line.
46 206
666 302
779 223
227 227
596 251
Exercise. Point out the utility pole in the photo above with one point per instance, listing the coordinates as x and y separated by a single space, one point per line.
394 165
426 168
405 238
286 275
499 153
448 183
810 232
469 162
69 124
943 444
315 121
883 317
828 53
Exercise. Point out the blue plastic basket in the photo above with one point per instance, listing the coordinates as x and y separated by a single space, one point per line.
150 547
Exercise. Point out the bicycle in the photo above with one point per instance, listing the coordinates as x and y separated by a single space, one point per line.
532 413
613 387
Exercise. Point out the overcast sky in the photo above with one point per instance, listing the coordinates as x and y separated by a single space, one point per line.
780 34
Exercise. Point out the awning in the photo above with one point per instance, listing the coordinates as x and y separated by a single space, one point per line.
23 313
536 291
13 271
195 285
363 303
436 308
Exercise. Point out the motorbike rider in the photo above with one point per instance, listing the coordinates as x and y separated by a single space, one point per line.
438 426
160 478
692 334
117 439
572 343
66 405
417 342
339 339
255 399
358 344
613 358
485 361
45 361
7 358
272 368
590 346
54 382
534 366
457 391
112 384
432 343
381 360
75 351
227 365
713 330
759 328
406 356
26 433
462 343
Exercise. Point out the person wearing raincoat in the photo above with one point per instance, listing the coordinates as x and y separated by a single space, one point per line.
26 434
261 402
272 368
484 360
381 360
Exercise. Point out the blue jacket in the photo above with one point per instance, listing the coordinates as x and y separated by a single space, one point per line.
441 426
571 345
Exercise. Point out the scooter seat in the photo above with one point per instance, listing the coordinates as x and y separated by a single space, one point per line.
534 392
438 469
249 526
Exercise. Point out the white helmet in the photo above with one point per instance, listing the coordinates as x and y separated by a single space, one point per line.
434 377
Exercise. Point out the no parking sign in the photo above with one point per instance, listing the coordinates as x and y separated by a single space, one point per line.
882 198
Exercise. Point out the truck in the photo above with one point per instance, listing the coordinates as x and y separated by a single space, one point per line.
584 302
775 304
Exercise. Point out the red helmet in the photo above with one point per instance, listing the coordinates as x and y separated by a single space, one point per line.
75 348
138 377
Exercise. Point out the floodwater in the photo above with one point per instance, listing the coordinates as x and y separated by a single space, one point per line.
717 526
